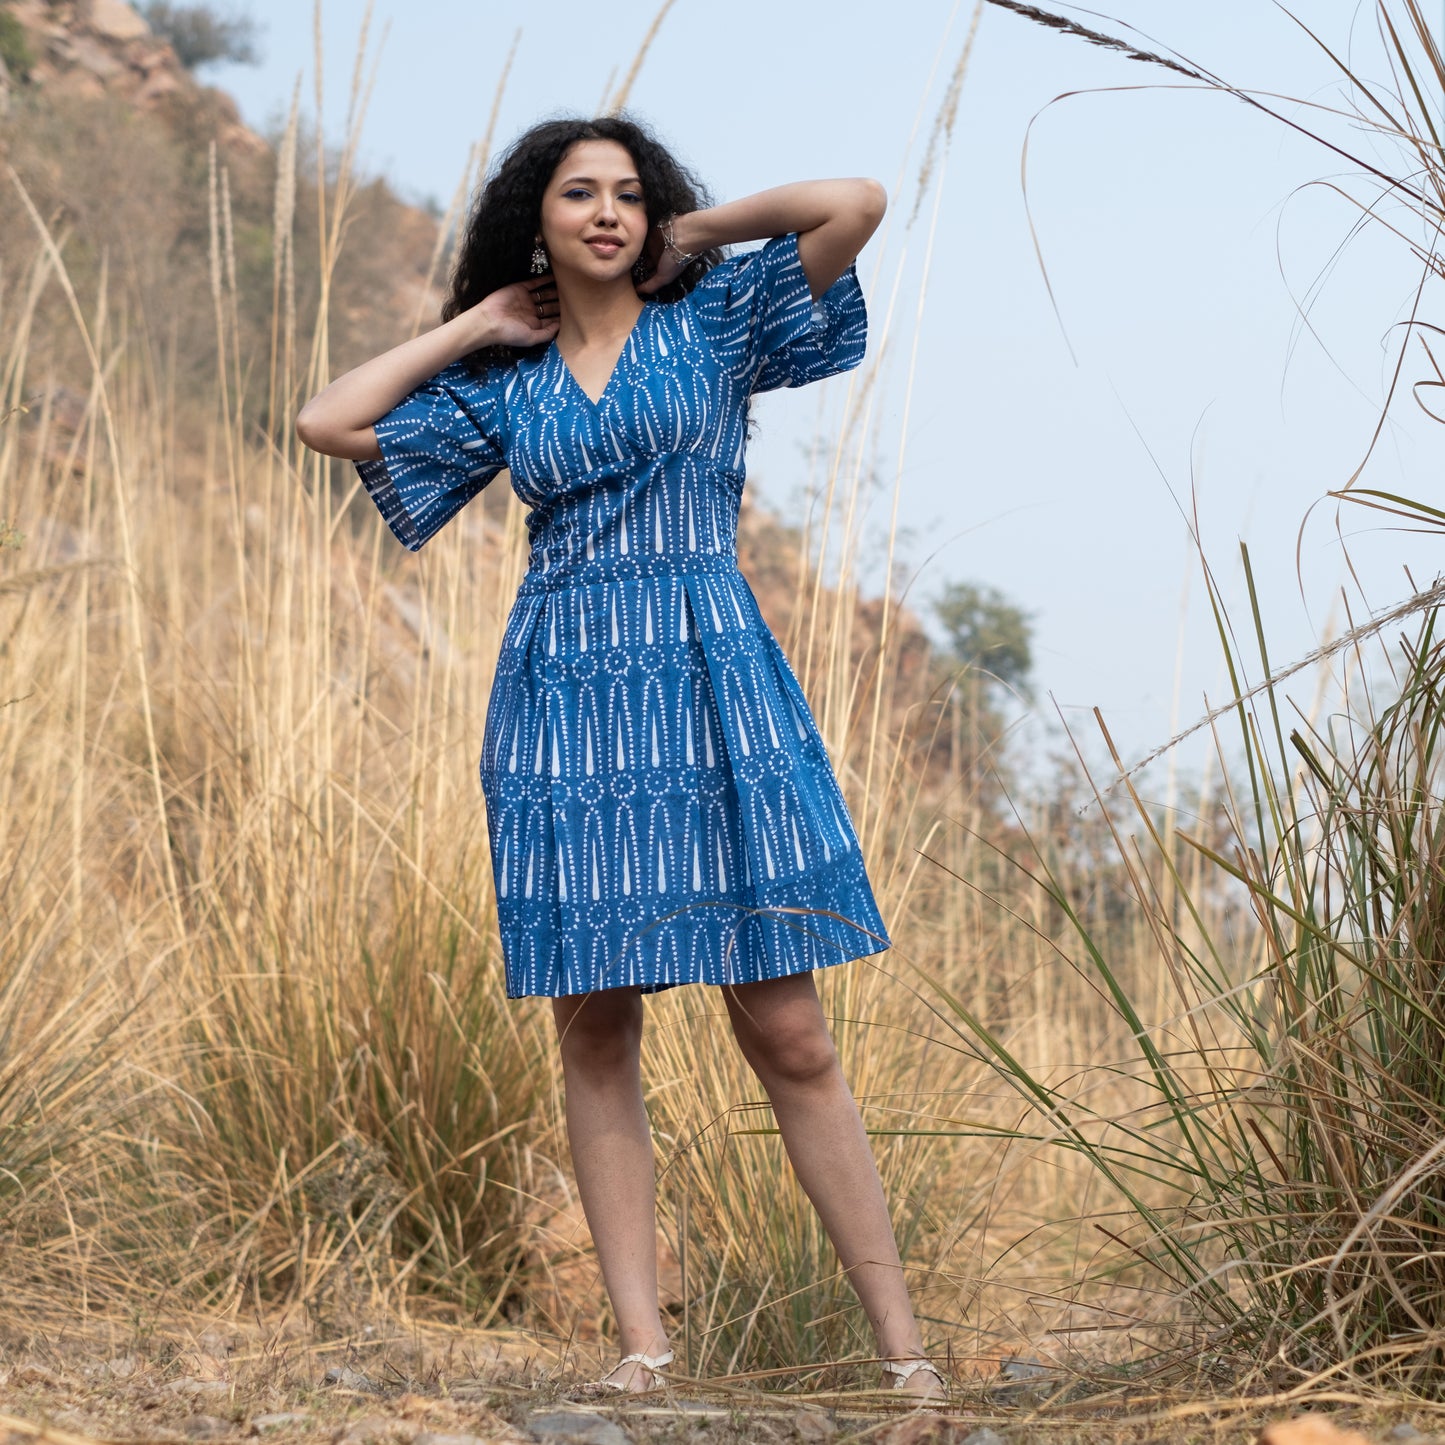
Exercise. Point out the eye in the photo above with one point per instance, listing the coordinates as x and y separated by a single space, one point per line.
631 197
576 193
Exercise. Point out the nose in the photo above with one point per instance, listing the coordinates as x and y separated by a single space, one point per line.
606 210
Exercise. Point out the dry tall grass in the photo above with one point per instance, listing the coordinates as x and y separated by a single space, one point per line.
1292 1086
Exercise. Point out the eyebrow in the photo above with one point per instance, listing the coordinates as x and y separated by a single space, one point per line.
592 180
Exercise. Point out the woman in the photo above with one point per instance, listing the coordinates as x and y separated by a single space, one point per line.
660 806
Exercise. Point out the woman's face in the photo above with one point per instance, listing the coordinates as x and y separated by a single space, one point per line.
594 217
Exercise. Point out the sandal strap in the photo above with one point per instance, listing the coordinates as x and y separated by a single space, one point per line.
596 1389
906 1371
648 1362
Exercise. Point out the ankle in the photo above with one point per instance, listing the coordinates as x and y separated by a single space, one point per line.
642 1342
903 1350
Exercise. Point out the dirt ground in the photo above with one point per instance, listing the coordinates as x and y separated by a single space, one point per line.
432 1385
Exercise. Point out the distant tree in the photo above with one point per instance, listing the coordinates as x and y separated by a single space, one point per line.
202 34
987 631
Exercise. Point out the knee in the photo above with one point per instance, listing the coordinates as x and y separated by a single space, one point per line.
791 1056
598 1036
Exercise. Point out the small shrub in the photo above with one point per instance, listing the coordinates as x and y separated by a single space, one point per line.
202 35
15 49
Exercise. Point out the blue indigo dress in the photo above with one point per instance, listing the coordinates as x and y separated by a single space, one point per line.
660 806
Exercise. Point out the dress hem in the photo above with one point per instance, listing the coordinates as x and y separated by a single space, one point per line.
666 985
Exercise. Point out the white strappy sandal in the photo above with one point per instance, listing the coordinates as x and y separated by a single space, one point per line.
904 1370
653 1364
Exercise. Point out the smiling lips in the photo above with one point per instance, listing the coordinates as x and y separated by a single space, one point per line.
605 245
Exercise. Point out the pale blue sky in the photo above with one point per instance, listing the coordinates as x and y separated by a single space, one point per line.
1177 237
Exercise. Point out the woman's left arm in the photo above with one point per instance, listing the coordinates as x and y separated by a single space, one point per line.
833 219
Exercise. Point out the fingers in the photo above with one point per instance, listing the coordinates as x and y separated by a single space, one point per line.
543 296
544 299
663 276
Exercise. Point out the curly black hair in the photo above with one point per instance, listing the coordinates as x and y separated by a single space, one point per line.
496 247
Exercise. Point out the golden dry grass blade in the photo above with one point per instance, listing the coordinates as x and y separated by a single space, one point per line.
941 136
1432 597
128 554
451 230
618 100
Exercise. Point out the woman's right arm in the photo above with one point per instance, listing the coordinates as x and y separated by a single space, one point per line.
341 421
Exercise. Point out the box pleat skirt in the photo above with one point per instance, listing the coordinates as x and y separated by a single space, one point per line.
660 806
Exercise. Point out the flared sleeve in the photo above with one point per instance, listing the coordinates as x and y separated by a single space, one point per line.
439 448
768 331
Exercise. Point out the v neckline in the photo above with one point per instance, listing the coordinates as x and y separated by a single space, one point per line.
627 341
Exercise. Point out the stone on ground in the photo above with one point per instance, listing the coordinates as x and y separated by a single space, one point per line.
561 1427
1309 1430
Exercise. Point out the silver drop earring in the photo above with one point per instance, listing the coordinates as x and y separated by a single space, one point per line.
539 258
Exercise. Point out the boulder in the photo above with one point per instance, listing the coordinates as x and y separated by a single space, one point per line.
114 19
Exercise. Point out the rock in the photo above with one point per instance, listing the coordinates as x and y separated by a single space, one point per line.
919 1430
1022 1382
1313 1429
205 1427
202 1366
815 1427
77 1422
36 1375
161 83
371 1429
279 1420
580 1429
347 1378
1017 1369
490 1428
1404 1432
95 56
29 12
983 1436
85 85
115 20
191 1389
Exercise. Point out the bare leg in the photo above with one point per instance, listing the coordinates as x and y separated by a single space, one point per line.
601 1040
784 1037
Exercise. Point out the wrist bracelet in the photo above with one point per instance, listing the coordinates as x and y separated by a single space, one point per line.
668 244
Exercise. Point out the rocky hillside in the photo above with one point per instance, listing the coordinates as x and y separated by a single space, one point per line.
112 137
97 48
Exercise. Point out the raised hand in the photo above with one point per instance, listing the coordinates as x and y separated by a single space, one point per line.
340 421
664 263
522 314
